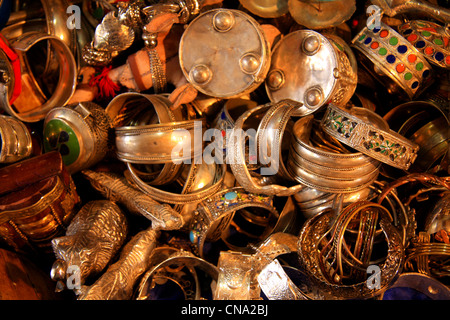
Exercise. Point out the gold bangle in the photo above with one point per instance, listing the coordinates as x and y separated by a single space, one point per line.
310 255
15 140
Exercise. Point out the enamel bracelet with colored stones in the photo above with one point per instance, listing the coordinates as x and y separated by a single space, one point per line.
386 146
214 214
430 39
393 57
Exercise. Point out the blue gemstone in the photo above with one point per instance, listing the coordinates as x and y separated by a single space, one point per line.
192 236
230 195
368 40
426 73
420 44
402 49
390 58
375 30
406 32
415 85
223 116
439 56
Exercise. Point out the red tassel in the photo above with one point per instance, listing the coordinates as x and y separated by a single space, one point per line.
106 87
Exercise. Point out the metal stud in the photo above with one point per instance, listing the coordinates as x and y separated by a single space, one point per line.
223 21
200 74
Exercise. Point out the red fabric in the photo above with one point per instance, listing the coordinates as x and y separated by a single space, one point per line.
106 87
14 58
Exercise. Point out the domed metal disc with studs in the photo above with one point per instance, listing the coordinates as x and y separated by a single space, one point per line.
224 53
311 69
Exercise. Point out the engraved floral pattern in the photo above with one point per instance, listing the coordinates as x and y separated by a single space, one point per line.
377 143
341 124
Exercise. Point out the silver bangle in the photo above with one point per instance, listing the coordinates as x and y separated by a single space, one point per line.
174 198
123 110
235 150
152 144
31 98
179 258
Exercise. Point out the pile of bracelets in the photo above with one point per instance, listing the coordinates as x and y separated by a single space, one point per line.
226 150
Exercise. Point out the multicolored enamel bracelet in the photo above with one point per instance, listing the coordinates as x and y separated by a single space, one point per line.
353 127
430 39
386 54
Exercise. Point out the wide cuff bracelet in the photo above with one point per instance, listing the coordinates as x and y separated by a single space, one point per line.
387 55
430 39
353 130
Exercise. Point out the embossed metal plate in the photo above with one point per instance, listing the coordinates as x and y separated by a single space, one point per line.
223 53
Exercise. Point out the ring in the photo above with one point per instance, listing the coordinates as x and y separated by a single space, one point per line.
80 132
383 144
